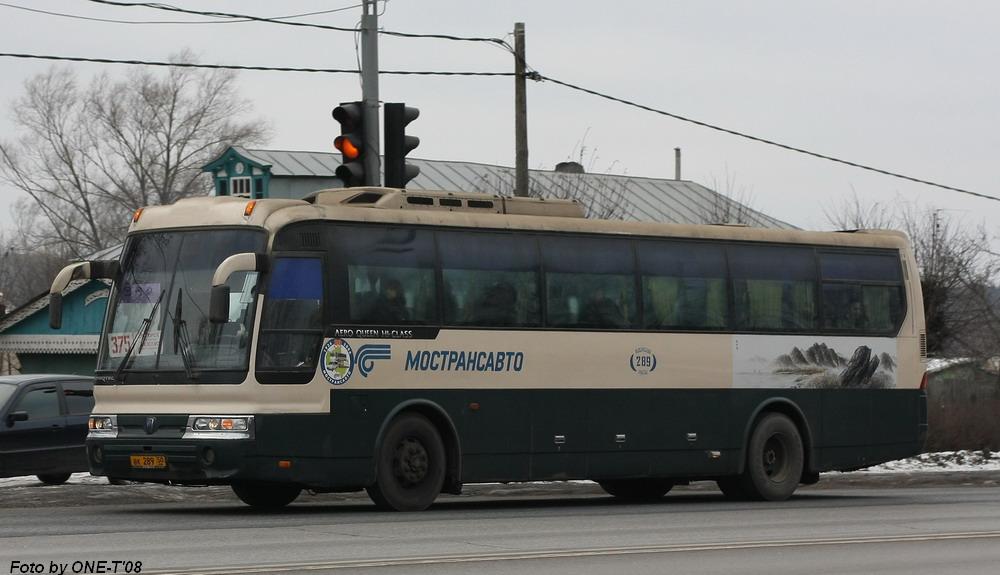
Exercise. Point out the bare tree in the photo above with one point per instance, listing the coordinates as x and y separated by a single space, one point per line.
731 203
25 271
89 156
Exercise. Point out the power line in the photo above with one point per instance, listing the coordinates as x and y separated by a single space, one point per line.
169 8
252 68
540 77
216 21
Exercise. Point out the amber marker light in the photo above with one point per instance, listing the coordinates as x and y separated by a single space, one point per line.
137 215
346 147
248 210
285 464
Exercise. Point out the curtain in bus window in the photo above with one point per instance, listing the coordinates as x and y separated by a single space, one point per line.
590 282
683 285
878 308
489 279
389 273
773 287
292 322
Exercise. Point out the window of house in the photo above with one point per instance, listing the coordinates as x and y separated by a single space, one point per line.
239 187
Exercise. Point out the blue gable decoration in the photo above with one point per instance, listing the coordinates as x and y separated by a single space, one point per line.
239 173
26 329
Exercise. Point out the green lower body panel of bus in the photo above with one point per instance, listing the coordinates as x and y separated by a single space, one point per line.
527 435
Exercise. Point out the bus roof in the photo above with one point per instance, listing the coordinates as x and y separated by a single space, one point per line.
465 209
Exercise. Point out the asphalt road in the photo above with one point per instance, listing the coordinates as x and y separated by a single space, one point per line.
954 529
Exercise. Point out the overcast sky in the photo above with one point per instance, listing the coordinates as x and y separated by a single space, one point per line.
905 85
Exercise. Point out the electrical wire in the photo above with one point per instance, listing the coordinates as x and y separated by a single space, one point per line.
216 21
169 8
239 67
540 77
534 75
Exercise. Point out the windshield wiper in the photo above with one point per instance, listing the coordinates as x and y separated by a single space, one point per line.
182 338
139 337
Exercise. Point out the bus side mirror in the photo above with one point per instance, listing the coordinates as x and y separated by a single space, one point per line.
108 269
218 307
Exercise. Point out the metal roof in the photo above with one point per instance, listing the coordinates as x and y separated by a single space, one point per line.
646 199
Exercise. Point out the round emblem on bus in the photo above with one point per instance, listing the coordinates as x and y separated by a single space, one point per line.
643 361
337 361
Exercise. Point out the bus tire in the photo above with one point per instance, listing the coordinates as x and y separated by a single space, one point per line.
637 489
775 458
266 495
410 465
53 478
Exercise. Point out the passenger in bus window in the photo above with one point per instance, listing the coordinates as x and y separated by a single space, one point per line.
390 306
601 311
498 305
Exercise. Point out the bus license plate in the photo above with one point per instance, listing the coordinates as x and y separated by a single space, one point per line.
148 461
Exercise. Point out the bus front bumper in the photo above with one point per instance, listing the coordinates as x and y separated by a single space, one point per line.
201 462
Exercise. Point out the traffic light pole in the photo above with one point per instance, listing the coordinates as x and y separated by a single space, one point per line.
369 90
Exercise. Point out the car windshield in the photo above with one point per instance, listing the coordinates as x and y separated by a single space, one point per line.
166 283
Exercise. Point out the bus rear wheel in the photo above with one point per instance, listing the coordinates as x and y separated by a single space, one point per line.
266 496
410 465
775 458
636 489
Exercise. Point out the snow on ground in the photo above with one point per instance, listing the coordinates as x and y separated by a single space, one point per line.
75 479
927 462
942 461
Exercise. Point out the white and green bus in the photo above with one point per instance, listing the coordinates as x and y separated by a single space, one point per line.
409 343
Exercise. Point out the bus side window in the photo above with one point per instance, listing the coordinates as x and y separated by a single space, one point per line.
590 282
683 285
774 287
490 279
389 275
292 323
862 292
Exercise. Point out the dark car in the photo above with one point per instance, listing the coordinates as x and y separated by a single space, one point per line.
43 425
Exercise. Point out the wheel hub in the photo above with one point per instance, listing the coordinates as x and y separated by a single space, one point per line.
410 463
774 457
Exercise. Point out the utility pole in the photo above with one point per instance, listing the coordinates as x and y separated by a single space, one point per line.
369 91
521 184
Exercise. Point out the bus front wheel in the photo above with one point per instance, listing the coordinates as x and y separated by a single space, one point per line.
266 496
775 458
410 465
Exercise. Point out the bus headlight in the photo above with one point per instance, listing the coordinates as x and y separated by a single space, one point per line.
102 426
219 427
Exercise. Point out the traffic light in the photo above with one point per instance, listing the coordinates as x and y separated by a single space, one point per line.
398 144
351 143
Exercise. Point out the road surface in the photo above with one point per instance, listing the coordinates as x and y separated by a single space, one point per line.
952 529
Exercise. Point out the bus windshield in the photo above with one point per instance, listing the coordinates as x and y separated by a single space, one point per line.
160 307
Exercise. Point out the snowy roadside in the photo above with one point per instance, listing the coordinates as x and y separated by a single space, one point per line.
943 461
953 468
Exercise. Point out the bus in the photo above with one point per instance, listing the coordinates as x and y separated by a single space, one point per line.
407 343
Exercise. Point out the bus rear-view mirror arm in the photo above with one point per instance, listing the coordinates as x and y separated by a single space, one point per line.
218 309
104 269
